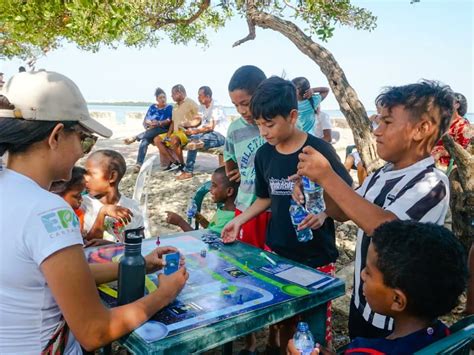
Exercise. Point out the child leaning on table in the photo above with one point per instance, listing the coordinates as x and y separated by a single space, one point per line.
222 191
107 212
414 273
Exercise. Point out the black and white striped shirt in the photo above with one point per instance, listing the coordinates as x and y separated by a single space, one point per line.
419 192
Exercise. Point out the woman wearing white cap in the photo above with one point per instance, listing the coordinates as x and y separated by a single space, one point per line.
48 295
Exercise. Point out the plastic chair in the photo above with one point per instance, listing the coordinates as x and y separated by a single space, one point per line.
140 192
459 342
198 197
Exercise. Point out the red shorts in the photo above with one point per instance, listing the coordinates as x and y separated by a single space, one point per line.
254 231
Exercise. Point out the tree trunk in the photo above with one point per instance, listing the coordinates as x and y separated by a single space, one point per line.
462 190
346 96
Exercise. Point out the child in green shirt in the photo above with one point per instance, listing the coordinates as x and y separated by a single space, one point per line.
222 191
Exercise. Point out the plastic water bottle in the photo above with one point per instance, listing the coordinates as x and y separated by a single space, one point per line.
191 212
131 274
297 215
303 339
313 196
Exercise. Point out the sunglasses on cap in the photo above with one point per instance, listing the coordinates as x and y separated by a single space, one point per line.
88 140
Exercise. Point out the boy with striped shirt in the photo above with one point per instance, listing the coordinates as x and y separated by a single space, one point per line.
409 186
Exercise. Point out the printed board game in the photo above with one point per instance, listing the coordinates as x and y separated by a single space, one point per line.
221 284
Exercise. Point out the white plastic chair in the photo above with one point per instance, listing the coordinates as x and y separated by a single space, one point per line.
140 192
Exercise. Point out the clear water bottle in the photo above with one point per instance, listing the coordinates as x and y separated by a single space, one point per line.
131 274
304 341
191 212
297 215
313 196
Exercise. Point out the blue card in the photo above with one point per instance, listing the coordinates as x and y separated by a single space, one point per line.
172 263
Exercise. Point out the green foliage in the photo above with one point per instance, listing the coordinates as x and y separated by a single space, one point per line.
30 27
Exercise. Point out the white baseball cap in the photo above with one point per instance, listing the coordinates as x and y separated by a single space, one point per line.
48 96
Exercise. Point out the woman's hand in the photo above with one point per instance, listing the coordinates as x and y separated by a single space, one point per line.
171 285
154 260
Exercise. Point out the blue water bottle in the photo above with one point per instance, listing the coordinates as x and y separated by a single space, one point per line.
132 268
297 215
313 196
304 341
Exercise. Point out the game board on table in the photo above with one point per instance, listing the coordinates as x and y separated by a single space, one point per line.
223 282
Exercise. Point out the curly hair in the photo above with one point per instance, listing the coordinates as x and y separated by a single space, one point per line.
428 97
425 261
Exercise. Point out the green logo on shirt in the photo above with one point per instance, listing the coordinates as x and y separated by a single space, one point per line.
60 222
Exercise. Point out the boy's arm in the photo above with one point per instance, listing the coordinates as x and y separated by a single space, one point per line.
232 229
117 212
365 214
203 222
177 220
321 90
232 170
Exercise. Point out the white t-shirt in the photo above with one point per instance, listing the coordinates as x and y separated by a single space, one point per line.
34 224
419 192
215 113
113 229
323 121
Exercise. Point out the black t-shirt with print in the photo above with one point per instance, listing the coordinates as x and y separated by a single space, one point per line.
272 171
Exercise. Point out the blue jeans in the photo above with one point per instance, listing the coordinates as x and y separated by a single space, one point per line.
146 138
210 139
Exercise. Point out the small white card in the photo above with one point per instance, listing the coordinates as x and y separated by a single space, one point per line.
300 276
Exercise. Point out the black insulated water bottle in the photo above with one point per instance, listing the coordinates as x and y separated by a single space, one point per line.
131 275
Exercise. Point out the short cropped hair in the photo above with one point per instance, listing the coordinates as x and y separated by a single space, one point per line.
159 91
179 88
206 90
274 96
426 97
114 161
462 101
77 179
234 184
246 78
425 261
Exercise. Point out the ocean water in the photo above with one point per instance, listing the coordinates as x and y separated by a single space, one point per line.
122 110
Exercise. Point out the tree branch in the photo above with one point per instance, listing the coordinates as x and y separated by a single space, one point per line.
170 21
251 36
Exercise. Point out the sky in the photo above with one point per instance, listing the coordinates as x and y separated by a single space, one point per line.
432 39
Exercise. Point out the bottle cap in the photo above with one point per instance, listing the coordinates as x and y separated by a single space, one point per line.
134 236
302 327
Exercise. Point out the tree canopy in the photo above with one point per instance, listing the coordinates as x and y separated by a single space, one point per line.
28 28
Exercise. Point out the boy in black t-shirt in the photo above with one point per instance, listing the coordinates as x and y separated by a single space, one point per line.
274 105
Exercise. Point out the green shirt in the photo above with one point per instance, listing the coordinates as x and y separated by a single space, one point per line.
220 219
241 145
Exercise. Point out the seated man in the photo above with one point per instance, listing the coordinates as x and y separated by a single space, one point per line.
414 273
208 134
323 126
185 115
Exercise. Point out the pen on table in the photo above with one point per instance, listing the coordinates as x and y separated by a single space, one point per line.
263 255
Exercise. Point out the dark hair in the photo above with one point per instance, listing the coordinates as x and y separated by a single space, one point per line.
206 90
426 97
62 187
234 184
462 101
159 91
17 135
302 85
179 88
246 78
425 261
115 162
274 96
